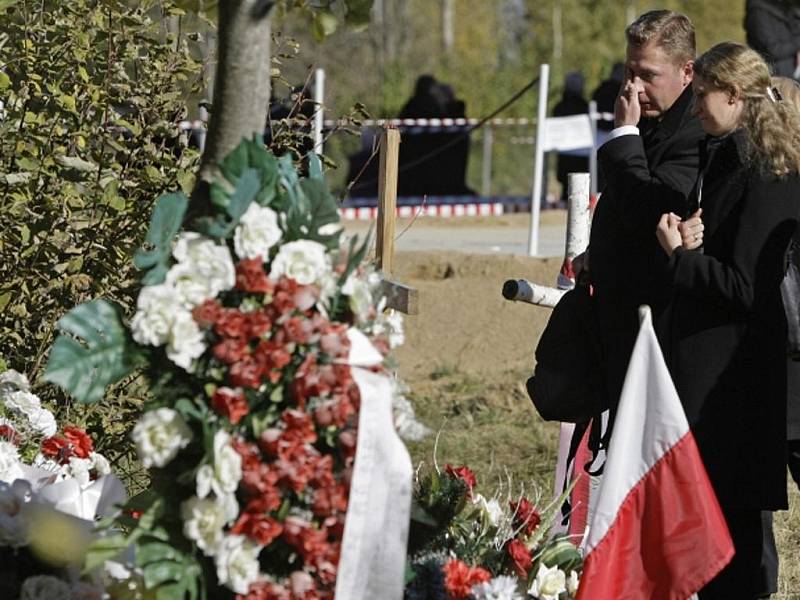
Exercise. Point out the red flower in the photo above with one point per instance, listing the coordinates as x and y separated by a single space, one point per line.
81 443
207 313
259 527
526 517
298 329
230 403
329 500
460 577
7 433
464 474
251 277
231 323
266 590
57 448
230 350
245 373
520 557
258 323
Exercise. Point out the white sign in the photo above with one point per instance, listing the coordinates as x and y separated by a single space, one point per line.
568 133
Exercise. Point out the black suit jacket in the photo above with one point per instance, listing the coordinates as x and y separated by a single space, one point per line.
726 339
648 175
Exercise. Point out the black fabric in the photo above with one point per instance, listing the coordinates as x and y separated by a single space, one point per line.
648 175
725 336
566 385
773 30
753 571
790 291
793 459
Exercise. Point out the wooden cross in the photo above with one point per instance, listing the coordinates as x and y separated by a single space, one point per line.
398 296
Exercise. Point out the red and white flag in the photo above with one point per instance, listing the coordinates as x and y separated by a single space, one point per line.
656 530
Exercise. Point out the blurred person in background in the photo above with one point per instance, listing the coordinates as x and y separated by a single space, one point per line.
773 30
572 103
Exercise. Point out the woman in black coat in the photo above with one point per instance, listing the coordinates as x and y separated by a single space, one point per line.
726 341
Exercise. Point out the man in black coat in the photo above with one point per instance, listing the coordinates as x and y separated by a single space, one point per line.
627 267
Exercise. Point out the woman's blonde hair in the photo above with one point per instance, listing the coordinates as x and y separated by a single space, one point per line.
789 90
772 124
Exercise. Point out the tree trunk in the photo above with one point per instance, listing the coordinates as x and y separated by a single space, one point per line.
241 86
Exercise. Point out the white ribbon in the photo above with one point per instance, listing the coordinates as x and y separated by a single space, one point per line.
373 555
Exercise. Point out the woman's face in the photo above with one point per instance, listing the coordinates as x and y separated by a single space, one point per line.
718 110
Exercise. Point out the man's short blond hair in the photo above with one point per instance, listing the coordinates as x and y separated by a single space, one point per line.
671 31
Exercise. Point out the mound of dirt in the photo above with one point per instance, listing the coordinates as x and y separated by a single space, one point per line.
464 322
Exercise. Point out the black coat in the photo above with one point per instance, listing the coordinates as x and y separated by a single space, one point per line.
648 175
773 29
726 337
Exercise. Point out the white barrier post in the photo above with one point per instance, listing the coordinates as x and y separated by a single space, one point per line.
486 170
578 186
594 116
538 160
319 115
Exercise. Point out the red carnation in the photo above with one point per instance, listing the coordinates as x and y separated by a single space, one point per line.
57 448
526 517
258 323
520 557
251 277
245 373
230 350
259 527
460 577
7 433
207 313
81 443
230 403
464 474
232 323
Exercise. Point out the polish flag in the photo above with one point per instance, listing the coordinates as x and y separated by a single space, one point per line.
656 530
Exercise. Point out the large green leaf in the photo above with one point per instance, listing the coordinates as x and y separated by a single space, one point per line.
164 224
312 207
92 352
248 155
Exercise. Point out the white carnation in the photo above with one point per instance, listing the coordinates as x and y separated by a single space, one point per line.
10 468
159 435
23 402
502 587
207 259
203 522
79 469
12 380
185 341
190 284
237 563
43 422
13 527
155 310
572 583
227 465
359 293
490 508
44 587
394 323
100 464
303 260
256 233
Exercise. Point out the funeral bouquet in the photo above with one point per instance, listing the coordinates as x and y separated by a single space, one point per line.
52 482
246 326
465 546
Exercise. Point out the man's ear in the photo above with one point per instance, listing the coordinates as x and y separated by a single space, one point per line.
688 72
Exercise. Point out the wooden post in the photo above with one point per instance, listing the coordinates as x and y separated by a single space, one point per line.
398 296
387 198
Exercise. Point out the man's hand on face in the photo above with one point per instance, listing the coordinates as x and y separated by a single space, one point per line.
627 110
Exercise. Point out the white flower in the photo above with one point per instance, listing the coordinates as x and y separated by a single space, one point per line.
237 563
204 477
13 528
203 521
502 587
9 462
155 310
185 341
190 285
43 422
572 583
490 508
303 260
330 229
405 419
359 293
394 322
44 587
549 583
227 465
79 469
207 259
256 233
159 435
100 464
12 380
23 402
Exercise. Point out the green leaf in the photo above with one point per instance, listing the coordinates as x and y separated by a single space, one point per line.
160 572
103 549
152 552
164 224
95 354
4 4
315 167
5 80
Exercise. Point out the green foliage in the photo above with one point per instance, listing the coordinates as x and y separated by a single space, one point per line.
93 93
164 224
101 354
